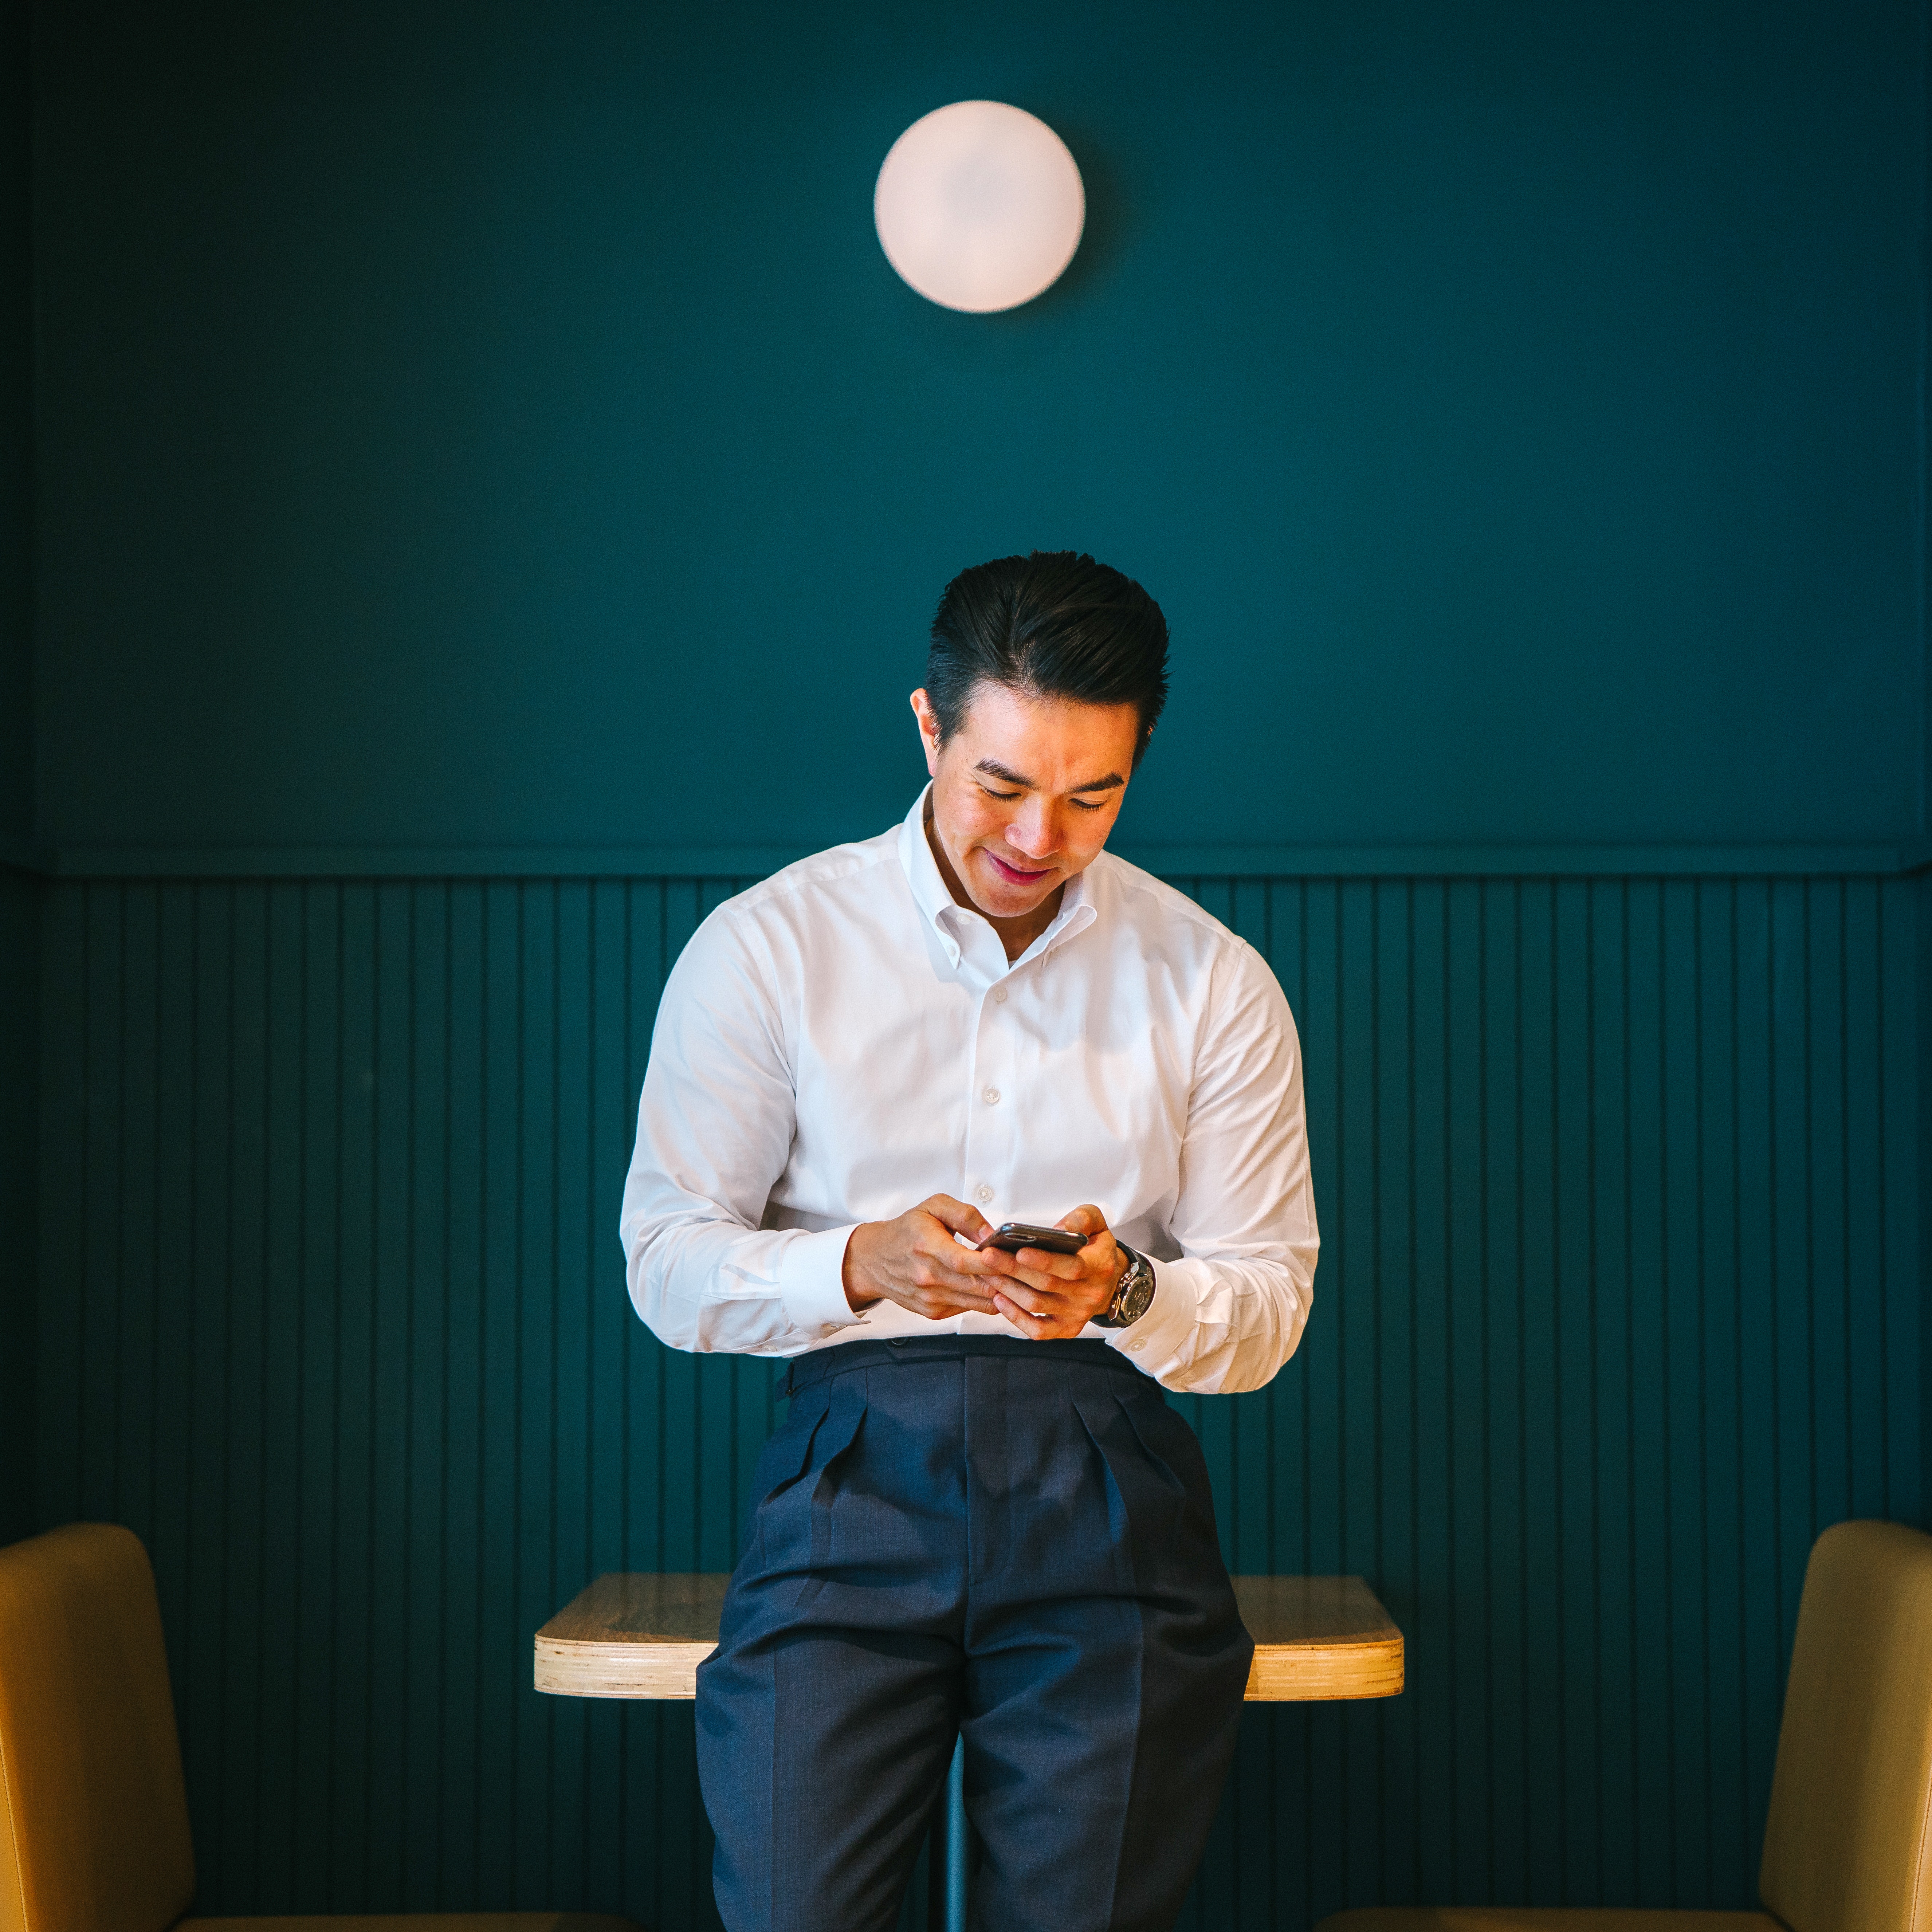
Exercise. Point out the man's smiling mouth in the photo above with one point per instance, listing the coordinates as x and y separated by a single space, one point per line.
1014 873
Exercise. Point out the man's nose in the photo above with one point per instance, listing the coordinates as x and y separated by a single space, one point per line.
1034 833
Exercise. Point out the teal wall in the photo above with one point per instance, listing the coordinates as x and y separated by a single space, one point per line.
487 493
468 427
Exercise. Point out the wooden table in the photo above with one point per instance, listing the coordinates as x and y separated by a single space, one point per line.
1316 1639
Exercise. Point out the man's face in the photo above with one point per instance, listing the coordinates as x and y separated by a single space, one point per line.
1025 791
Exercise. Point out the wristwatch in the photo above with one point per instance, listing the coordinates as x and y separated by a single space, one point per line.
1132 1295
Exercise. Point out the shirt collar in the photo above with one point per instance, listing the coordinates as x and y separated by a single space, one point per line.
936 904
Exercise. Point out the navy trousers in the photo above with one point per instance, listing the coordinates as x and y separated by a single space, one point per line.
1013 1542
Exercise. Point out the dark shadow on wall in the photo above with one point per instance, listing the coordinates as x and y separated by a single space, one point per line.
20 893
1109 223
19 1006
1922 914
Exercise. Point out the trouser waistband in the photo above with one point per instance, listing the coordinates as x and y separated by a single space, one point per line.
844 1357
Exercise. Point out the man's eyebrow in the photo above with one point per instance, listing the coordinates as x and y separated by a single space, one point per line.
995 769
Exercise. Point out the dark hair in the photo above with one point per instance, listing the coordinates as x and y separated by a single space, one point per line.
1054 624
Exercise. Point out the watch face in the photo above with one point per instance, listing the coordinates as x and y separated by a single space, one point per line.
1131 1297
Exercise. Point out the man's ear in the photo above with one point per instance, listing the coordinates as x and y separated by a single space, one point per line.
928 730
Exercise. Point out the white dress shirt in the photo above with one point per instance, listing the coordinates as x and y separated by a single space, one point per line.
843 1041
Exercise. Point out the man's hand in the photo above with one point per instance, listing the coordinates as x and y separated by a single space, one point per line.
1052 1298
915 1261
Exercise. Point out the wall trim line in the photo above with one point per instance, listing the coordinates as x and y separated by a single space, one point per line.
445 862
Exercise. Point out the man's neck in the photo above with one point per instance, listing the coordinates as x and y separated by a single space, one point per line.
1017 933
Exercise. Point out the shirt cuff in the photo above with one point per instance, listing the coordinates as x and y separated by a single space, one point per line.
1162 1332
811 1281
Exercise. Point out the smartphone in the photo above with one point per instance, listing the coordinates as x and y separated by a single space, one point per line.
1014 1235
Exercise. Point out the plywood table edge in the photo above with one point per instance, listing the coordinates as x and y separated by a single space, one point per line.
1366 1660
1284 1673
1281 1673
664 1670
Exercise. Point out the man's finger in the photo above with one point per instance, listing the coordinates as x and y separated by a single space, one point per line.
1038 1322
1020 1292
1033 1275
1026 1308
979 1262
1058 1268
960 1217
1037 1299
1085 1220
949 1265
945 1301
942 1279
969 1270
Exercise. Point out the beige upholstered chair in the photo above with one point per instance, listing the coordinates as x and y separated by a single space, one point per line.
1848 1844
93 1829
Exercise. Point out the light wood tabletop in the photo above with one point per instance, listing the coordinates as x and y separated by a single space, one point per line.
642 1634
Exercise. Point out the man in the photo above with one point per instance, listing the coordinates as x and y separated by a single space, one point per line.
980 1517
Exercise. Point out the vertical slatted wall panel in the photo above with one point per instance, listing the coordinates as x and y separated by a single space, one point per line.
1619 1305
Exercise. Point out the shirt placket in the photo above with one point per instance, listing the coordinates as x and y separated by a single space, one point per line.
990 1113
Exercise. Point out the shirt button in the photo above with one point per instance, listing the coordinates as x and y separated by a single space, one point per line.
985 1192
999 996
991 1096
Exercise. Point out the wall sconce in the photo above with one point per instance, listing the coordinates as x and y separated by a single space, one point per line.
979 206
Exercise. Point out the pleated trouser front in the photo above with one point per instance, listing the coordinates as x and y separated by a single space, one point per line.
1013 1541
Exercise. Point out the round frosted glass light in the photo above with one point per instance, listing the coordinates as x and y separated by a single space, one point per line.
979 206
